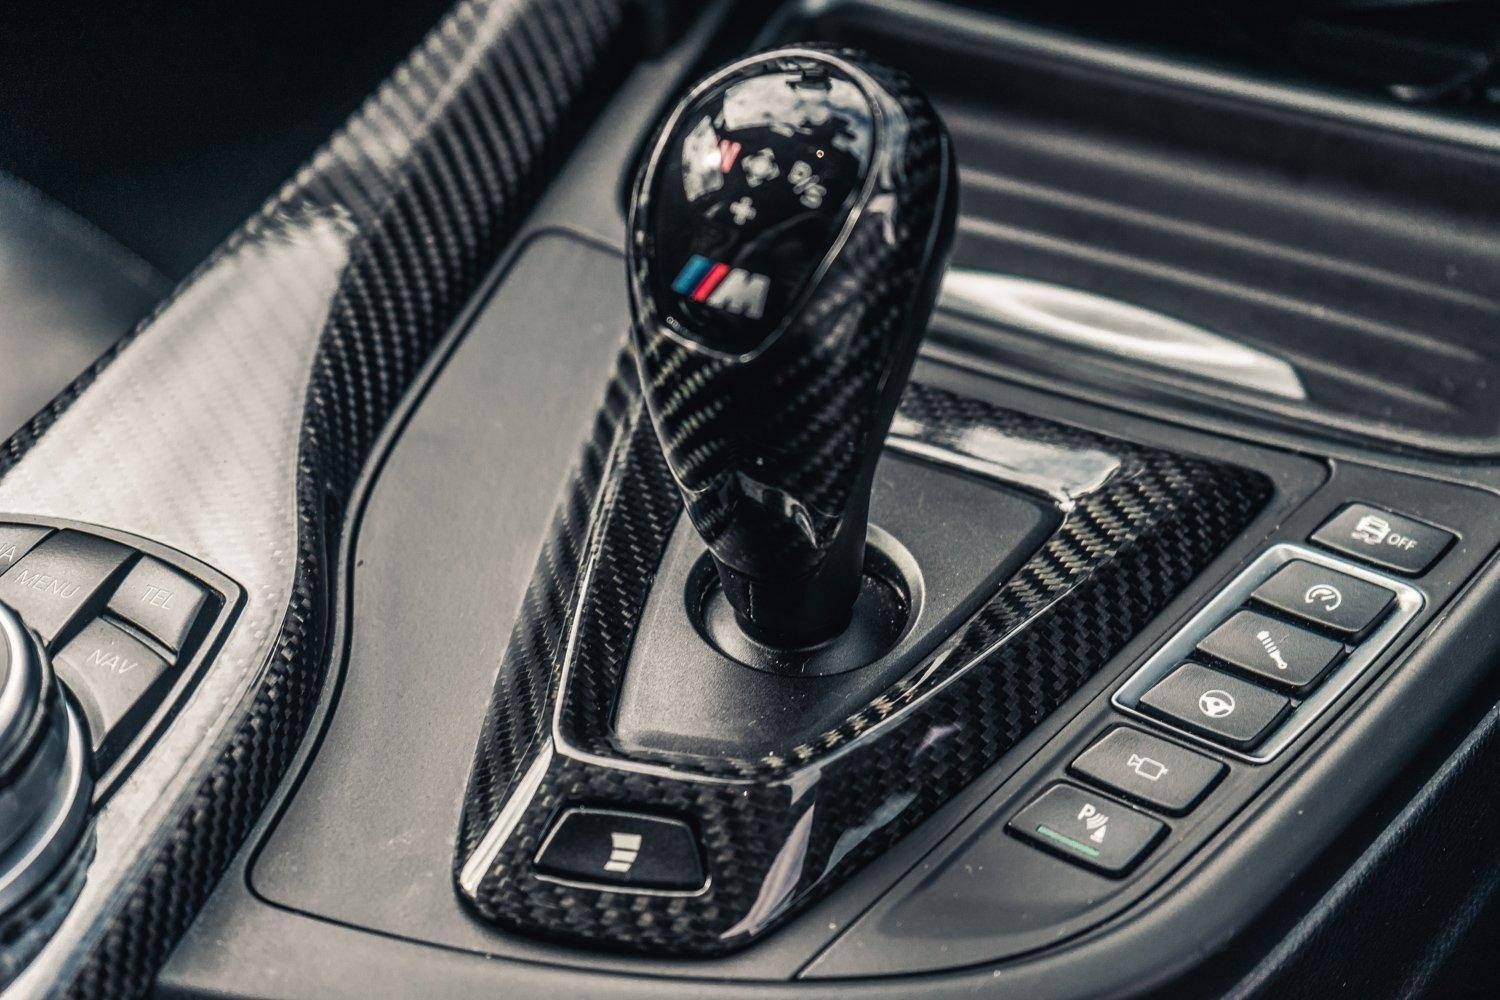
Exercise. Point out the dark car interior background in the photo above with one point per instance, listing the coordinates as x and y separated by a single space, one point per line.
656 498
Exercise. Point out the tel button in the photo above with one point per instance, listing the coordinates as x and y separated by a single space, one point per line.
159 601
625 849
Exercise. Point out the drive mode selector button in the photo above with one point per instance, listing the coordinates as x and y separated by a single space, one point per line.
625 849
1325 598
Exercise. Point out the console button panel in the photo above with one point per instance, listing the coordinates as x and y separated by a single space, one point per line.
1355 608
127 622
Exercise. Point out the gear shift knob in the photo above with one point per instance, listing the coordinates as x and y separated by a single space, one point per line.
787 237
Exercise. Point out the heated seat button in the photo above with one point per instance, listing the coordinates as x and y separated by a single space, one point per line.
16 540
1090 829
61 580
1280 655
109 673
1384 539
1215 705
625 849
1148 770
1325 598
160 602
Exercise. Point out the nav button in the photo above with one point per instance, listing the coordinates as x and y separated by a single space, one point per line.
628 850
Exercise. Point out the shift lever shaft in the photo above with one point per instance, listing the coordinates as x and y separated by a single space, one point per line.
788 233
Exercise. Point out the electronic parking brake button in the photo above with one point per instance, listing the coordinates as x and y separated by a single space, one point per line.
1325 598
1149 770
1282 656
1213 704
625 849
57 583
1092 830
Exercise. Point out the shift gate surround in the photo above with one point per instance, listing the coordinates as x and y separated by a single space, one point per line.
783 828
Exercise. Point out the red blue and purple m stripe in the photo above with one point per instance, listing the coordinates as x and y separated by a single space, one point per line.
699 277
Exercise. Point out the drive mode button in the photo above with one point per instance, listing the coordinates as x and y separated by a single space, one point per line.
625 849
1326 598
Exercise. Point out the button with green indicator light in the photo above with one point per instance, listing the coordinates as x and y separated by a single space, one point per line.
1090 829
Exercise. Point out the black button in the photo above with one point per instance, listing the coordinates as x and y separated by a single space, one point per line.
1326 598
109 672
1151 771
57 582
1283 656
1216 705
16 540
160 602
1088 828
1384 539
630 850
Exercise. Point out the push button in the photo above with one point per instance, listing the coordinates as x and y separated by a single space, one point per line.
1281 655
1148 770
629 850
1216 705
160 602
1384 539
16 540
109 672
1326 598
57 582
1092 830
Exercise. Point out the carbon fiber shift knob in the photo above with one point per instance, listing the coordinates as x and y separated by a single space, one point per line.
787 236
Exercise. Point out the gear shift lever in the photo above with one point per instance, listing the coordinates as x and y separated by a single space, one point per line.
788 234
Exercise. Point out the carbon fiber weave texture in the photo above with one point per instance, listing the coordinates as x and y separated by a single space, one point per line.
429 178
780 830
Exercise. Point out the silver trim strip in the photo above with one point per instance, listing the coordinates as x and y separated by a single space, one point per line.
1180 647
1108 326
484 855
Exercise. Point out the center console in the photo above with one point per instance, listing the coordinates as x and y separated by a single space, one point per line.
923 502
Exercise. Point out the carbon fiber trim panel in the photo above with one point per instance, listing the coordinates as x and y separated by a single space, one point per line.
781 829
232 424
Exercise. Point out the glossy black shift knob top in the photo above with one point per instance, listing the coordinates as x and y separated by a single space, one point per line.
787 236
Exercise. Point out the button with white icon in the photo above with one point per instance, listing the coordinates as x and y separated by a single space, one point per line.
1325 598
623 850
1383 538
1148 770
1272 652
1088 828
1214 704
